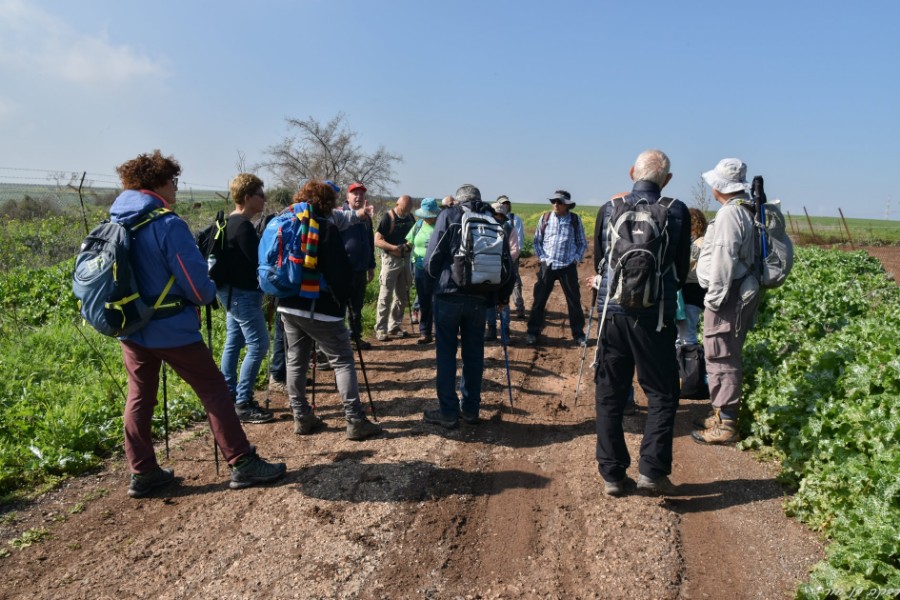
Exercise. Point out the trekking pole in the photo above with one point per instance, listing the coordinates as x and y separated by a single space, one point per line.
209 344
165 379
315 362
362 364
504 341
586 337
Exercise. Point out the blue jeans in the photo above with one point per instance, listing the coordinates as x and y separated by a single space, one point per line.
491 314
245 325
687 329
459 318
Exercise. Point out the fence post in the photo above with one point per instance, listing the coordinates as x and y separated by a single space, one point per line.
812 232
791 221
847 228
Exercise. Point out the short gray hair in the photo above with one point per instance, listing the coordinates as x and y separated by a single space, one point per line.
652 166
468 193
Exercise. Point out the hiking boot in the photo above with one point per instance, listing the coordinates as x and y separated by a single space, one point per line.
400 334
710 420
250 469
661 486
381 336
616 488
362 344
279 387
144 483
435 417
360 429
723 431
251 412
490 335
424 339
531 339
520 312
581 341
470 419
307 423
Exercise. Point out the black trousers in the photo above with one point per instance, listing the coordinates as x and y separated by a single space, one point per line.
627 343
568 280
359 280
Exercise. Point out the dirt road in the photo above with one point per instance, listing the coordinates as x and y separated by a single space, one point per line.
511 508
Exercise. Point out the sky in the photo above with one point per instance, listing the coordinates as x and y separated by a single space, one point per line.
517 97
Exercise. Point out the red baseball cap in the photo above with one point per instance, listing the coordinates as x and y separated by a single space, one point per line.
356 186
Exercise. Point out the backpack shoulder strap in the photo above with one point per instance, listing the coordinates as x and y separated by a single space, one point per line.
545 218
146 218
667 202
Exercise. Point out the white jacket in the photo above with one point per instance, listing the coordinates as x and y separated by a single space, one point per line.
728 251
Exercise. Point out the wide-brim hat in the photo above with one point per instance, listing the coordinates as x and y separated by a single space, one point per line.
729 176
562 197
429 209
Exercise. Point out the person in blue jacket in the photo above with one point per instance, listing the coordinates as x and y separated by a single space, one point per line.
164 250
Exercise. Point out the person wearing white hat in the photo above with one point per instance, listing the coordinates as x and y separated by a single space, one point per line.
725 269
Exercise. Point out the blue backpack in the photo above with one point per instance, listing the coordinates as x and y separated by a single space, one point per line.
104 280
281 271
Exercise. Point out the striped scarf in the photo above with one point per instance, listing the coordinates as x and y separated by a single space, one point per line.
307 250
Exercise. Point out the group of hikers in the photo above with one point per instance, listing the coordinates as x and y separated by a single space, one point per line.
452 252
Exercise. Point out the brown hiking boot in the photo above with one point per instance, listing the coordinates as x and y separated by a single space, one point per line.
708 421
307 423
723 431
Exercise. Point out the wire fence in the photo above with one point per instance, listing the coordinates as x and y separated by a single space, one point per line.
61 188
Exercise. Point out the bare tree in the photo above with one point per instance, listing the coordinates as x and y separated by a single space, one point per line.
241 163
328 151
702 199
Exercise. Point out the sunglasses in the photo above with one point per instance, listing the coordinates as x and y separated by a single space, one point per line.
175 181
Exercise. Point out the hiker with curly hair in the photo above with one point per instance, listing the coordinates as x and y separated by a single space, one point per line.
165 254
317 318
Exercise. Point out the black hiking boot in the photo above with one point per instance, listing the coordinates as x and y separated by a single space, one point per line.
144 483
250 470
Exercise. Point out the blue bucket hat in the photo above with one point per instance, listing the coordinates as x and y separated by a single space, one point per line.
429 209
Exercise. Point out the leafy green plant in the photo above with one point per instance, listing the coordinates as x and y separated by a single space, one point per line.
822 388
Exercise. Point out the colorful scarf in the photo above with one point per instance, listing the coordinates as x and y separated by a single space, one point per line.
307 250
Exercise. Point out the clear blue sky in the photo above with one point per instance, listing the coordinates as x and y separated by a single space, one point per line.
517 97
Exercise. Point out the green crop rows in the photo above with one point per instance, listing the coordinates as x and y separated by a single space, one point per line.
822 387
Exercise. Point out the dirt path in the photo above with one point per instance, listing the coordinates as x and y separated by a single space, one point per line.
512 508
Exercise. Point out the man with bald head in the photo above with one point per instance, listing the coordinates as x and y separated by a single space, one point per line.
396 277
447 202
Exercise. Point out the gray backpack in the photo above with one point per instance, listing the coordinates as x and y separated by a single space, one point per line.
776 251
481 263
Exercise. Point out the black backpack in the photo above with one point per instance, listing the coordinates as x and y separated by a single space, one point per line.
692 371
211 241
638 243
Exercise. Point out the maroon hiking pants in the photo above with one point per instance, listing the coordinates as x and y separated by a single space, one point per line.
195 365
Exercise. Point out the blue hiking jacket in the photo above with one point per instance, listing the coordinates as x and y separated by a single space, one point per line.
163 248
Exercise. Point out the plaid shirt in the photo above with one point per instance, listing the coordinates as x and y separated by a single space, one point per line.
561 243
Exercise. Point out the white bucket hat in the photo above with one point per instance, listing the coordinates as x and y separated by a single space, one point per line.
729 176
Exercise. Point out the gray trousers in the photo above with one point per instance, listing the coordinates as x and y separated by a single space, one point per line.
724 333
333 339
393 296
517 299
